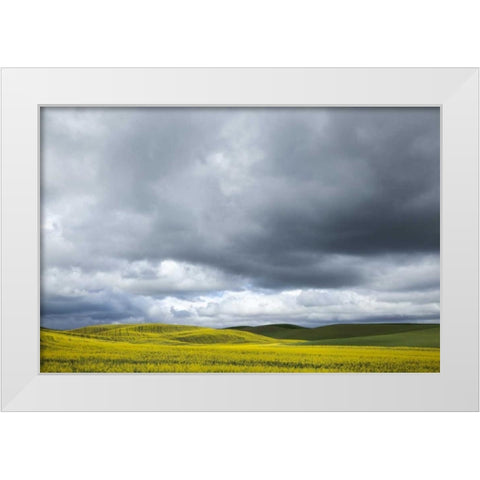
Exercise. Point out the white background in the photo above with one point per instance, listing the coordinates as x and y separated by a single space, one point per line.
243 33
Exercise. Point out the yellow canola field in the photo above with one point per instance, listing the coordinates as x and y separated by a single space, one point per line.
74 352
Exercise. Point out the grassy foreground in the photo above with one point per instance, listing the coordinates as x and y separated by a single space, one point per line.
272 348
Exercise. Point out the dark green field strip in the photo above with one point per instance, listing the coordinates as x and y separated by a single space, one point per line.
426 338
343 331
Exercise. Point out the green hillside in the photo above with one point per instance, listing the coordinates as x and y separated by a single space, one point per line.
386 334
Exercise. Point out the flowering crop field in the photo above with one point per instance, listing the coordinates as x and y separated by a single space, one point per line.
175 348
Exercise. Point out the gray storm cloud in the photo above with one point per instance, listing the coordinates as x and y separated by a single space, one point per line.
221 216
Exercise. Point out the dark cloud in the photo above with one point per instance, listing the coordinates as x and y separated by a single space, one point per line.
65 311
278 198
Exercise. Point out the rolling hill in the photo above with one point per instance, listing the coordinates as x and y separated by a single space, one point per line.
167 334
270 348
391 334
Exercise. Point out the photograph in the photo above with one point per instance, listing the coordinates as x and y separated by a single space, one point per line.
223 239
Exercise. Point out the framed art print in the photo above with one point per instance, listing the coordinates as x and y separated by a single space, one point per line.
240 239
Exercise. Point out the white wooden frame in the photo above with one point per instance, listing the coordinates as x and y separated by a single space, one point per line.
454 388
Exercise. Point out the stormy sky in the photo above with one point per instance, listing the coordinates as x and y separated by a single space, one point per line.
239 216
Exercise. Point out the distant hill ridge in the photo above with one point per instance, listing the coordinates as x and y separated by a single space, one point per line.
379 334
333 331
386 334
